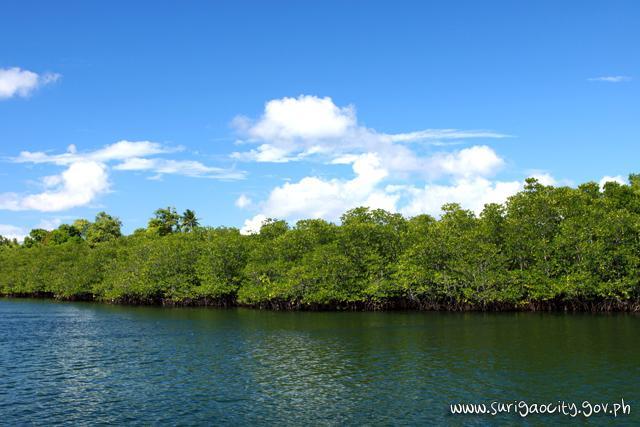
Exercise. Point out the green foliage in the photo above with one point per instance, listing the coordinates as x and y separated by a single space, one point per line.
6 243
63 234
544 244
36 237
165 221
219 267
104 228
82 225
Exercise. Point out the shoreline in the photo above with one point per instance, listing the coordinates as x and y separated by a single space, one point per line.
398 304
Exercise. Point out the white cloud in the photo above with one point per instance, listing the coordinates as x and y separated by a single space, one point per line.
12 232
77 186
252 225
305 117
84 179
18 82
243 201
19 233
477 160
190 168
265 153
87 173
618 178
120 150
293 129
49 224
314 197
136 164
443 134
133 156
471 194
545 178
610 79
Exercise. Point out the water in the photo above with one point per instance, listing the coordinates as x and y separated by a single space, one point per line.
89 363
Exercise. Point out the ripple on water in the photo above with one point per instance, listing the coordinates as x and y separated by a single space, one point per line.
89 363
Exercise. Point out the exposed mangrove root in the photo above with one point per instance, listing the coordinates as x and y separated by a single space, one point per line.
395 304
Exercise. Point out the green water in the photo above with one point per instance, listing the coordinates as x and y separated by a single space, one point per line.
89 363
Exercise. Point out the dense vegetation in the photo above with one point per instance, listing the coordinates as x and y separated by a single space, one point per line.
547 247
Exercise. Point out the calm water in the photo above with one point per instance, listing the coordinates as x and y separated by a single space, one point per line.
81 363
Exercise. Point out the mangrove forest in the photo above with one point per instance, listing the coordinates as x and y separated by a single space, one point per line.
545 248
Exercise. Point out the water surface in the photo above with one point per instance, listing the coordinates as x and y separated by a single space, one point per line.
93 363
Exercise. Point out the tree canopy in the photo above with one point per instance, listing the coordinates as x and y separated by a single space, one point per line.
545 247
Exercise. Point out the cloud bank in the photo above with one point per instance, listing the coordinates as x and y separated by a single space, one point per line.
310 128
86 174
295 129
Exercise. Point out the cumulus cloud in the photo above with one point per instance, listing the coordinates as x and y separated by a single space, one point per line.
18 82
243 201
391 171
305 117
477 160
310 127
78 185
472 193
86 176
610 79
292 129
252 225
315 197
618 178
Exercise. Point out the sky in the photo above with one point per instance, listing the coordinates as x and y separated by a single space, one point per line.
243 110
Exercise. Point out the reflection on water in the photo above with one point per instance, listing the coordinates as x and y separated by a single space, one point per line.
75 363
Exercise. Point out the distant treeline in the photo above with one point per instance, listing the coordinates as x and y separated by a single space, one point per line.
545 248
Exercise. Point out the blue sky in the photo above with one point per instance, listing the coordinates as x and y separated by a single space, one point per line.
245 110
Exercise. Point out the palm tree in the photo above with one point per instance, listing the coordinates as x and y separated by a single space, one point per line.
189 221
